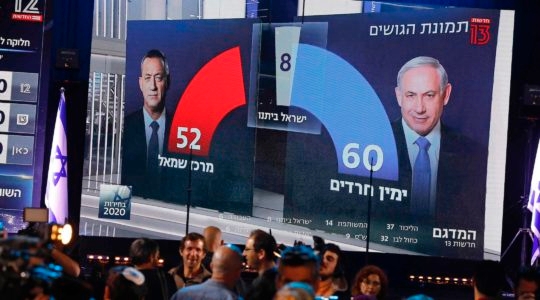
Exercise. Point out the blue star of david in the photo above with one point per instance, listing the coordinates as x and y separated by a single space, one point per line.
62 172
117 197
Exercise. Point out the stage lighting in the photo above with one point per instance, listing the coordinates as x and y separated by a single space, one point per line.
49 233
439 280
60 233
122 260
102 259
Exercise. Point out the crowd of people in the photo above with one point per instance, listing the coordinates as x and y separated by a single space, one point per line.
261 269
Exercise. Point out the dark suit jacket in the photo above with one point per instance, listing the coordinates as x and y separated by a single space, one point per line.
134 148
227 188
461 178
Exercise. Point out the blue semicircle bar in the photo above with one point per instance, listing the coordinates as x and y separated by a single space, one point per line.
342 99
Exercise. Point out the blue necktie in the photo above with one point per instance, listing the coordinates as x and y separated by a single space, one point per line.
421 179
153 149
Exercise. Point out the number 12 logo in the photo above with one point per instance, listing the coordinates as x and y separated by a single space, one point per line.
30 8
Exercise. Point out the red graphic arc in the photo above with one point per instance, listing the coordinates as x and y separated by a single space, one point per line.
216 90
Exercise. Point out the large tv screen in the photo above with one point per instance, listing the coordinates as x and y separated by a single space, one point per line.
23 107
310 128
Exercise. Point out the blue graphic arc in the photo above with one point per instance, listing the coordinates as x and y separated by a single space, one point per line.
342 99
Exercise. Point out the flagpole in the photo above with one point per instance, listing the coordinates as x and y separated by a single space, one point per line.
368 229
188 190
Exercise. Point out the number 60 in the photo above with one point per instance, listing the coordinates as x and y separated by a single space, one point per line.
351 156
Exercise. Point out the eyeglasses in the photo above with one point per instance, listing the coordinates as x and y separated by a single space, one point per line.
372 283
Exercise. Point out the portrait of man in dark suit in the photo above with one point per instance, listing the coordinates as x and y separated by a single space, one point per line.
444 170
146 129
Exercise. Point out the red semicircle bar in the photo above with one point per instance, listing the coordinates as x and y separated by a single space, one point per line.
216 90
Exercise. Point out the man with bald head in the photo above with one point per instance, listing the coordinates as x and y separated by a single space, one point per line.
226 269
213 240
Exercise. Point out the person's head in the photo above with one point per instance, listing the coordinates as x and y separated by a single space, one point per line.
154 81
298 263
227 265
419 297
192 250
144 251
422 92
124 283
527 283
488 279
370 280
212 237
260 247
331 262
295 291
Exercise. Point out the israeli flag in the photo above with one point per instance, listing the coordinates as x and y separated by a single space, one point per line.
56 195
534 206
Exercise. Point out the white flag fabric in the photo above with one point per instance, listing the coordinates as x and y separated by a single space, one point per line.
56 195
534 206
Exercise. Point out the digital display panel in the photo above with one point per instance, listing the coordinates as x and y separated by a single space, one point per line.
21 148
302 128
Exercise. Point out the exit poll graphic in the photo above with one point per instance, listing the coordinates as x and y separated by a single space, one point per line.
299 124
